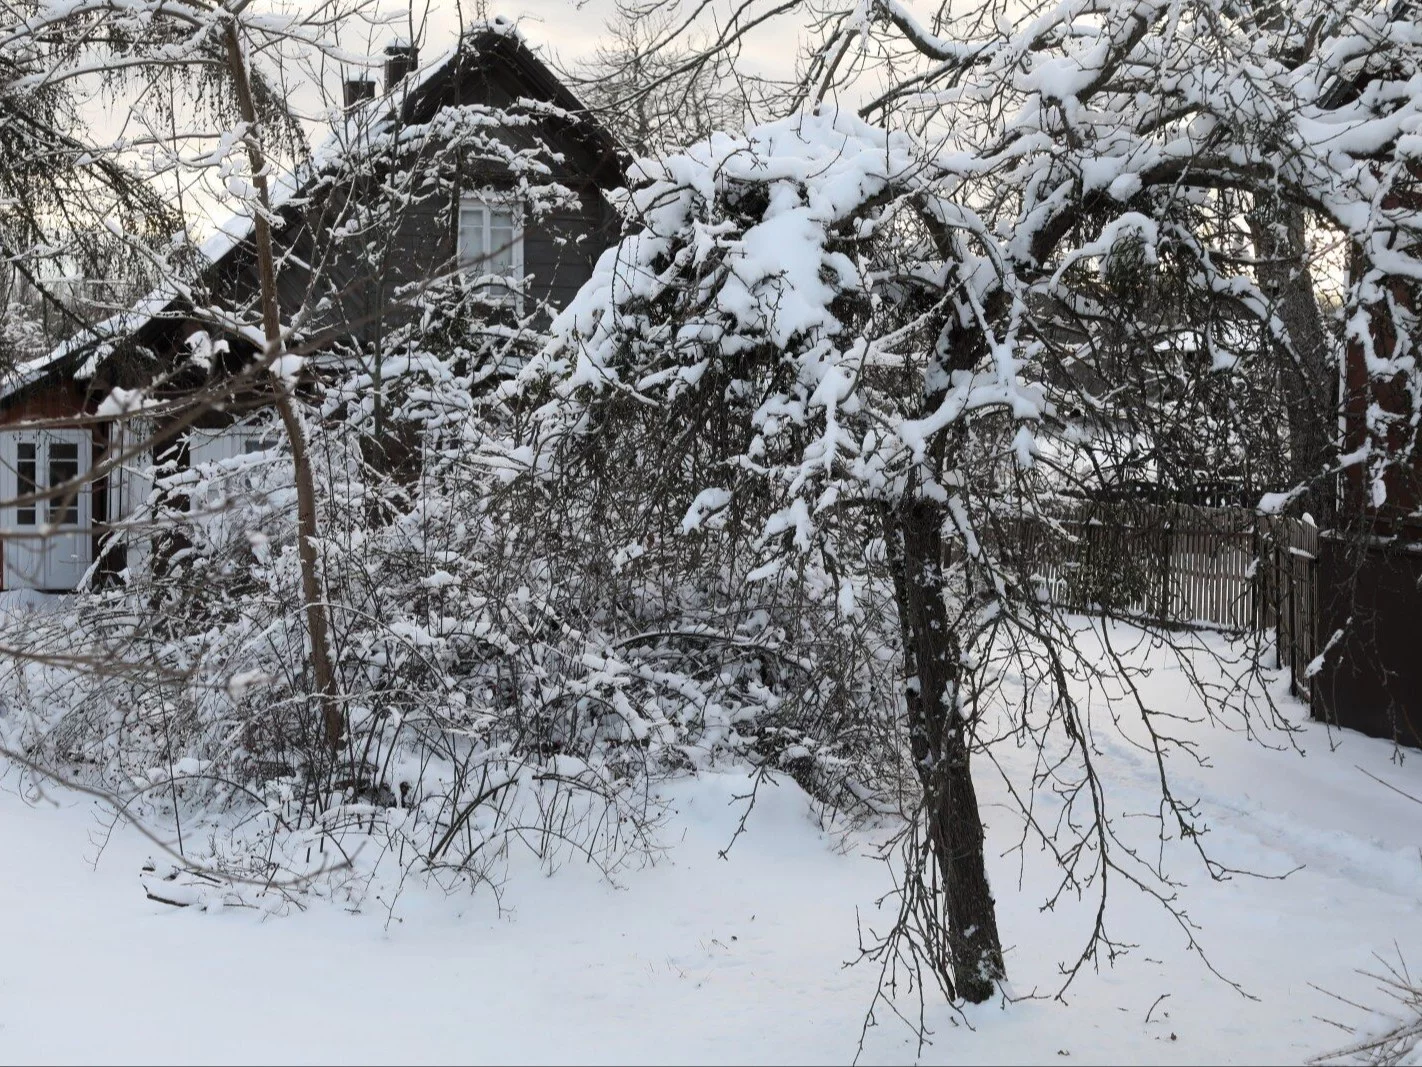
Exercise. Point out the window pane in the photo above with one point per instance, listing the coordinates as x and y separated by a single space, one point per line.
25 482
500 260
472 233
501 245
63 467
491 248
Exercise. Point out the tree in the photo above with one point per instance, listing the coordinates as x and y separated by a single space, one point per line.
211 51
876 317
456 707
67 210
658 92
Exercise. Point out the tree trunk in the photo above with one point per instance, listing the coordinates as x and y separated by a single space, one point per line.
1305 375
317 630
940 746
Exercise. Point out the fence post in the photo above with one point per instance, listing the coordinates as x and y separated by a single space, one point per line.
1256 587
1293 620
1280 606
1168 537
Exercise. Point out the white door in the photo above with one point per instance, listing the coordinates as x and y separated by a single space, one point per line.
49 543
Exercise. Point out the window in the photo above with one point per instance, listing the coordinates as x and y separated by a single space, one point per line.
265 443
491 247
63 467
25 471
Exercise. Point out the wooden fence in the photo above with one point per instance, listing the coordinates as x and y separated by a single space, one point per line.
1182 565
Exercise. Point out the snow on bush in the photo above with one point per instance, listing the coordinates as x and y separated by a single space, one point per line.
510 675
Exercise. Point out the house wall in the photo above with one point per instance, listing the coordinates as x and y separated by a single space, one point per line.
561 248
357 283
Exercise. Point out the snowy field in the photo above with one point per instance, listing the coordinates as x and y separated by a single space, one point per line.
699 959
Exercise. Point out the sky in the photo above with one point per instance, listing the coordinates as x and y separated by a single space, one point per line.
567 31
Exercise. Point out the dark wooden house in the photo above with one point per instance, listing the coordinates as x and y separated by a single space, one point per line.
479 170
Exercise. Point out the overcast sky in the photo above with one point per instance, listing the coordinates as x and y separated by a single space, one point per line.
566 30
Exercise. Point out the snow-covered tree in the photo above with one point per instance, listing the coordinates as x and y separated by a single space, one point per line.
847 317
489 679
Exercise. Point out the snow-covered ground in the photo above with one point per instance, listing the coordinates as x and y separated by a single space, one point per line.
700 959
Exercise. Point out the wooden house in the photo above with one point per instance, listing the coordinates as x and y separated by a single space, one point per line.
350 252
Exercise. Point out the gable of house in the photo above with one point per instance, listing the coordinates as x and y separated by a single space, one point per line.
361 268
493 67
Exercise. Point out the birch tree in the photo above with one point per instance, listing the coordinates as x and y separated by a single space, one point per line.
198 103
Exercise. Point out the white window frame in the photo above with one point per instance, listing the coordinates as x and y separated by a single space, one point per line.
129 487
497 289
49 552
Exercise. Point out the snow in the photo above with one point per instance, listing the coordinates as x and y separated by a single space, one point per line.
699 958
707 502
817 168
1275 503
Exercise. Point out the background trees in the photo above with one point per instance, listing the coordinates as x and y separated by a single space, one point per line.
658 88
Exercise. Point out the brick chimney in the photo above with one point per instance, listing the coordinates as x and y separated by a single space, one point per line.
400 60
357 91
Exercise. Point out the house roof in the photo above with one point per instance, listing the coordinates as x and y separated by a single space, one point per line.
497 38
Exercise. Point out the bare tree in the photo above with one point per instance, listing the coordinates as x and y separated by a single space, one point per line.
657 95
212 53
300 639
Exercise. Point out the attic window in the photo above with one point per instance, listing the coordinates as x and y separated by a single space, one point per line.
491 248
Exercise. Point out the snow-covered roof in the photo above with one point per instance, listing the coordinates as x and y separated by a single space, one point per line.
373 118
97 340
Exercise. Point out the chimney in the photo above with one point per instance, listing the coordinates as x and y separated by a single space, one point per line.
358 91
400 59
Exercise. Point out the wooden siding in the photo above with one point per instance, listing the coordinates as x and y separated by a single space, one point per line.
359 287
362 286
